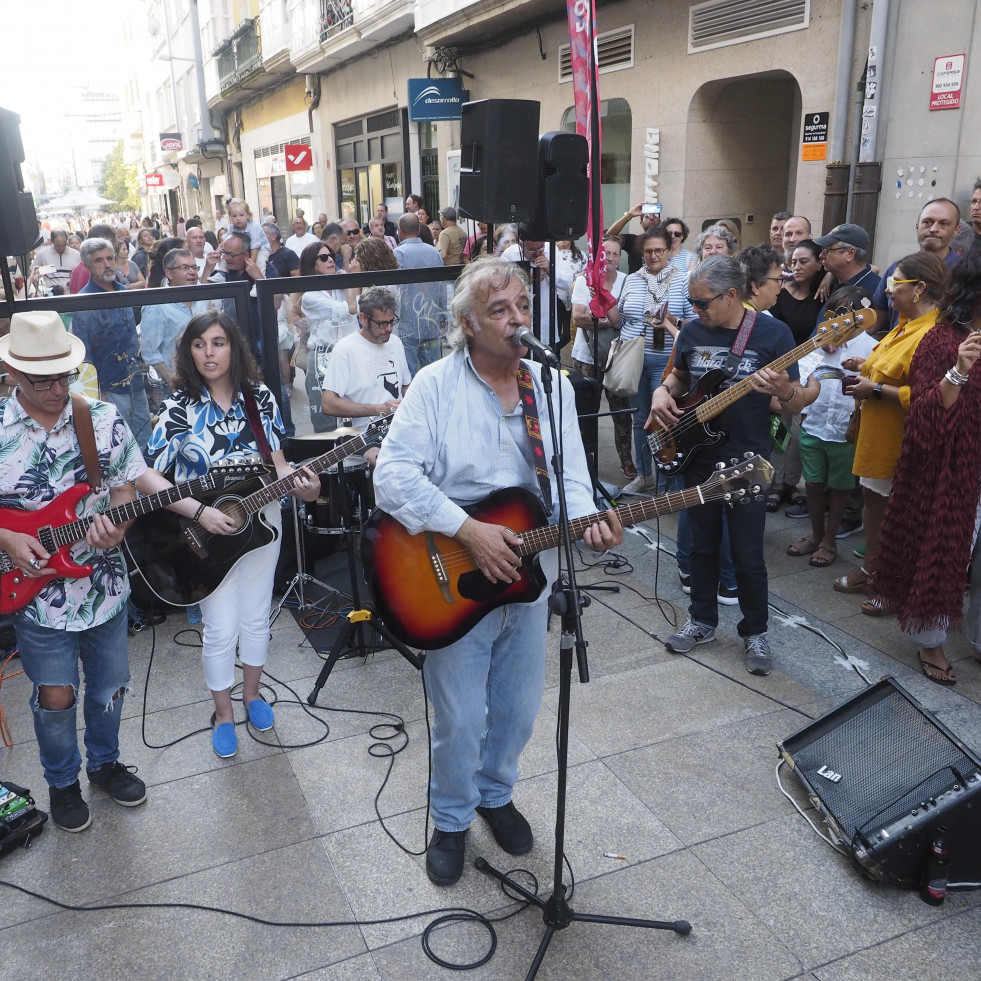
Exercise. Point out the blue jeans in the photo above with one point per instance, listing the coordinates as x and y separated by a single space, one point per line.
419 353
746 523
654 364
727 571
131 401
51 657
486 690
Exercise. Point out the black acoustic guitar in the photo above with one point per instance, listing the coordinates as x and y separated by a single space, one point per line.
429 590
184 564
674 448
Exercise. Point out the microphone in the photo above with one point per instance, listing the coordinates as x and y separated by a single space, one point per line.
524 337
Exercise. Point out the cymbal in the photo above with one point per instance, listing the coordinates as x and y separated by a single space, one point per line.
341 432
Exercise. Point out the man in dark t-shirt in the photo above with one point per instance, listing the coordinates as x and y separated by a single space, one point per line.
717 288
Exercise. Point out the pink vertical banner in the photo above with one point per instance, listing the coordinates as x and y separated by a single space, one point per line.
585 84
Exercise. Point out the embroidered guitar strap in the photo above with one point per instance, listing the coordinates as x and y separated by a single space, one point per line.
739 344
533 427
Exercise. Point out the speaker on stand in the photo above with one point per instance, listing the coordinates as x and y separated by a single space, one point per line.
18 216
889 780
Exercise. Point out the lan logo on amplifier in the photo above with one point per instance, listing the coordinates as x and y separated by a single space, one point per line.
829 774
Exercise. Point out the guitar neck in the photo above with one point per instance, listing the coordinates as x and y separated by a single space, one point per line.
75 531
716 405
548 536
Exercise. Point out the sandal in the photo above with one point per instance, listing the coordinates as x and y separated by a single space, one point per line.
851 583
804 547
876 607
796 498
824 556
773 500
944 677
628 469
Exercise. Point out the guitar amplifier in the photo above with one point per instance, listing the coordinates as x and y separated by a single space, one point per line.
889 779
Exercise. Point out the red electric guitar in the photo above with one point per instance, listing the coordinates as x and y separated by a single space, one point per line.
57 527
429 590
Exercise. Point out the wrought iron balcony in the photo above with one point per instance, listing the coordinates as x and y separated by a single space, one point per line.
335 16
242 58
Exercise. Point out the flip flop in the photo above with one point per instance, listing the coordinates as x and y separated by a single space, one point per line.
824 556
804 547
944 677
845 584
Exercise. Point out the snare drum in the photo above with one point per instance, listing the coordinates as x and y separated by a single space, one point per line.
326 516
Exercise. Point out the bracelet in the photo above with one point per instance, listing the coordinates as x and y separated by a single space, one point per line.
955 377
789 398
197 514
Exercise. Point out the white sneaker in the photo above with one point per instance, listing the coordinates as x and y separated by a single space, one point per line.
643 485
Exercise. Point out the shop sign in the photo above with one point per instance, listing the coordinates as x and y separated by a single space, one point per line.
154 180
298 157
432 99
171 141
948 79
814 142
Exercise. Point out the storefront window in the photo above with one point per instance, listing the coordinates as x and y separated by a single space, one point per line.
370 154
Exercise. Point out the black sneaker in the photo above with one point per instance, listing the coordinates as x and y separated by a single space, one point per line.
509 827
120 782
685 583
444 857
728 597
68 810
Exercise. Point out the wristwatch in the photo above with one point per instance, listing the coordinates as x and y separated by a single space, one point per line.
877 391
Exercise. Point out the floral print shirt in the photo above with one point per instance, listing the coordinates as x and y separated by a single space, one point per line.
35 467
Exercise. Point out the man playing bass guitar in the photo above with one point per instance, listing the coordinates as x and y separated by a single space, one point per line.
717 288
468 426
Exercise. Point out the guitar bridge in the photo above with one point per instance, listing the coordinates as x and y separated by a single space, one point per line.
194 536
439 568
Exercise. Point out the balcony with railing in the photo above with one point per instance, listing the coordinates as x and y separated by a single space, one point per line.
335 16
238 64
327 33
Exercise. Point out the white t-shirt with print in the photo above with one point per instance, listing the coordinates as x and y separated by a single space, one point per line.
361 371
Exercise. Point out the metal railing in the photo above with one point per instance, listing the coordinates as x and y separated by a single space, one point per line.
242 58
335 16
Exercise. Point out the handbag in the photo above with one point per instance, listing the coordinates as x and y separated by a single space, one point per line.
624 366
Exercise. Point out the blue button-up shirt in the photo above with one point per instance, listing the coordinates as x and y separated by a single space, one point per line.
110 340
162 325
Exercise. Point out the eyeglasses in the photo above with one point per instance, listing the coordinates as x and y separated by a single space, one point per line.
230 255
384 324
325 257
46 384
184 268
837 248
892 282
676 234
773 279
703 305
654 251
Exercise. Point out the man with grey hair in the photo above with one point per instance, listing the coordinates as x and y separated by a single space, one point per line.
301 237
843 252
463 431
163 323
728 336
110 337
80 274
367 374
54 263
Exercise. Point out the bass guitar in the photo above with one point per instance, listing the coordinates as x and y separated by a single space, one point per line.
57 527
184 564
676 446
430 592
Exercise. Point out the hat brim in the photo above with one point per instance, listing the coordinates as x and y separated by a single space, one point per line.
825 240
66 362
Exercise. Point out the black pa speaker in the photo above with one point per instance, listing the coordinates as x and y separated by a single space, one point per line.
18 216
563 187
499 160
889 779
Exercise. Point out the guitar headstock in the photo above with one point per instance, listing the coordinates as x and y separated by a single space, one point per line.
377 430
745 479
844 326
228 472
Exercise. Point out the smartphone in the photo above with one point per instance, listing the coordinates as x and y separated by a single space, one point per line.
650 209
657 322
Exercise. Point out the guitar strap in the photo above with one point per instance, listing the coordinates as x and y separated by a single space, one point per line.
739 344
255 424
533 427
82 419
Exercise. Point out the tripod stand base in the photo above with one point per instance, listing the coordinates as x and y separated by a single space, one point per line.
558 914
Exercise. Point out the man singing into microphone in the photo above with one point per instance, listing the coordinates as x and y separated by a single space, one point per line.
471 424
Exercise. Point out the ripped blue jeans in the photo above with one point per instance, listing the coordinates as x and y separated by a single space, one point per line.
51 657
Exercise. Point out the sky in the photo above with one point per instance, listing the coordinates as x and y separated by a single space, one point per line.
45 42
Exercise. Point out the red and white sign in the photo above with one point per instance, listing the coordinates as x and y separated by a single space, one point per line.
948 79
298 157
154 180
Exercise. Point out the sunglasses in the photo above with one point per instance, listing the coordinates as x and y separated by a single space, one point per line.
354 232
892 282
703 305
677 234
325 257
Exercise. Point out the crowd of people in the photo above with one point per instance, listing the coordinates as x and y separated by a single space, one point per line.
880 427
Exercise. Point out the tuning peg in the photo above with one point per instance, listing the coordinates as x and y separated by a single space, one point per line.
721 466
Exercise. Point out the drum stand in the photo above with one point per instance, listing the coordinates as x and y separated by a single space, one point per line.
302 577
353 635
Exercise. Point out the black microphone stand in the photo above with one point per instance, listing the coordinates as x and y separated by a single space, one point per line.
566 602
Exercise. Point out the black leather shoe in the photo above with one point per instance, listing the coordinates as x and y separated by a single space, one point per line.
444 857
511 831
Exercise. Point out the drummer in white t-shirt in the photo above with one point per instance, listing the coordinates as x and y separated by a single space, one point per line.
367 374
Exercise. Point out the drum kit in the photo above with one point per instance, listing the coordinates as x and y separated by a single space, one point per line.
342 508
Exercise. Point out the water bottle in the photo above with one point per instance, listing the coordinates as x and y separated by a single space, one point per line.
934 888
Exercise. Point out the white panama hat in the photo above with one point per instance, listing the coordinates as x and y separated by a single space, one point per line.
39 344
